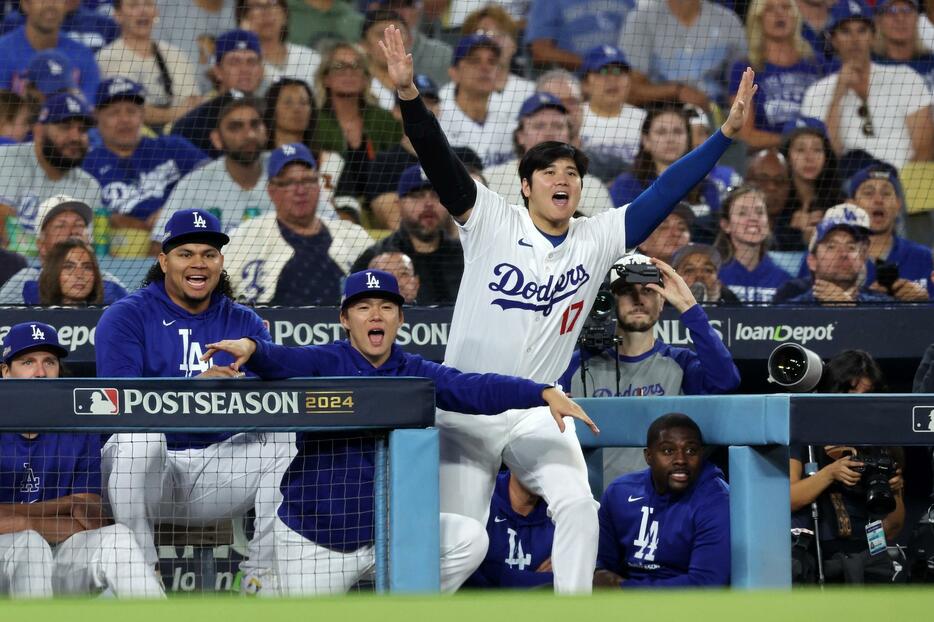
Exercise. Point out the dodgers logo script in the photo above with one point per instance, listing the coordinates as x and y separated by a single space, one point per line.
535 296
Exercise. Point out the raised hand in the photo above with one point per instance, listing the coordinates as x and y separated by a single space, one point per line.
562 406
741 105
241 349
673 289
398 62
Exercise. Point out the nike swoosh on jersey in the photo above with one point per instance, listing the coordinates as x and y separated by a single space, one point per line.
522 242
631 498
164 323
499 520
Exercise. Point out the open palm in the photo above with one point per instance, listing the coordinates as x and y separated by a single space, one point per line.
398 61
742 104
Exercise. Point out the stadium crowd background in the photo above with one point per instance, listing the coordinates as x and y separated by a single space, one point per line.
140 108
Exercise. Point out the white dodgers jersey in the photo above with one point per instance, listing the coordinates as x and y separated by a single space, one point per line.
522 302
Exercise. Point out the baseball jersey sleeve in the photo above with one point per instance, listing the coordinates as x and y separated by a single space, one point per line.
609 556
119 348
710 370
481 394
274 362
486 217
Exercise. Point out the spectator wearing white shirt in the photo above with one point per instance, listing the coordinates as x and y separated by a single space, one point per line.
269 20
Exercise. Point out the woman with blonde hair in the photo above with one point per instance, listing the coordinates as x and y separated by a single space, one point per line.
785 67
350 121
71 276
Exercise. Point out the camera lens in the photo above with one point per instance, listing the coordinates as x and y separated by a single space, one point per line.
794 367
602 305
879 498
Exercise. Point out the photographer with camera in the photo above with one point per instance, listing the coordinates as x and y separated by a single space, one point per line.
858 490
633 362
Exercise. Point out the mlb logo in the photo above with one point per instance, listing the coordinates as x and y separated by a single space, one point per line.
103 401
922 419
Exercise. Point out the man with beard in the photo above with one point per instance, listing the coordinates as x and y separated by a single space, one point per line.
649 366
668 525
233 187
438 259
48 166
291 256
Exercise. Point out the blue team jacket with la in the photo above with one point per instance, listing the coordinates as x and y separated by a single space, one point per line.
48 466
146 335
666 540
327 492
518 544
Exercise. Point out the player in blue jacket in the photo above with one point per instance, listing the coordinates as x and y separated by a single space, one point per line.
669 525
521 534
160 331
54 534
324 543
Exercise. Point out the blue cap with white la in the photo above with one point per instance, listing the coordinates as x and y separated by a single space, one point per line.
371 284
601 56
540 101
30 336
63 107
800 123
119 89
51 72
287 154
468 43
426 86
880 171
234 40
193 226
846 216
845 10
412 180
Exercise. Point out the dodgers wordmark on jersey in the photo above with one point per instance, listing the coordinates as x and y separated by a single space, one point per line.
517 286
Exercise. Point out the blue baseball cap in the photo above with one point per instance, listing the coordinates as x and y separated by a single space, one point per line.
64 106
540 101
881 4
875 171
119 89
801 124
51 72
31 336
426 86
193 225
847 216
468 43
412 180
287 154
371 284
234 40
600 56
845 10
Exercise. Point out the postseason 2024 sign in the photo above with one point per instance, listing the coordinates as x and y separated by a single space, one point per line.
750 333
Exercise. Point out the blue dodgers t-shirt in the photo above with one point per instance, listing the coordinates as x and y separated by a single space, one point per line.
140 184
781 90
310 277
49 466
16 52
82 25
577 25
757 285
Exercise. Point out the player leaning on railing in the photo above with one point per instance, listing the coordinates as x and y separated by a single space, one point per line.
530 273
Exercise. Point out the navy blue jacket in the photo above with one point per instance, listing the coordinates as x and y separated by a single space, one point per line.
327 492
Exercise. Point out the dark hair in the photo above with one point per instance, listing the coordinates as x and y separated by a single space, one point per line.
827 186
272 98
50 283
10 105
845 369
643 165
722 242
229 103
241 9
156 275
668 422
543 155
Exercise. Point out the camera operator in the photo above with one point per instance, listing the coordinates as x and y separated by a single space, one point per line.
858 489
634 362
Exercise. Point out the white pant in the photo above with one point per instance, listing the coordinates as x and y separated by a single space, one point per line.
307 569
547 462
148 484
87 562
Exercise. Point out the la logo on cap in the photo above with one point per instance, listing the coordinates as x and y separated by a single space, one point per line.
241 45
199 221
371 281
73 105
608 50
37 334
288 150
855 8
54 68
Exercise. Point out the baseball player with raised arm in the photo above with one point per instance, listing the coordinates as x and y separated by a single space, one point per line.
161 331
54 537
531 275
324 539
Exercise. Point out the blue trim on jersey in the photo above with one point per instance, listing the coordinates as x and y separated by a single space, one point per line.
555 240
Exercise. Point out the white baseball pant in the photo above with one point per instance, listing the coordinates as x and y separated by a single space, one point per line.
87 562
548 462
307 569
146 484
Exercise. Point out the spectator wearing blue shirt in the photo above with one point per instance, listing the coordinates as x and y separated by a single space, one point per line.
743 242
136 173
785 67
42 31
815 16
560 33
877 190
669 525
81 24
836 258
521 534
899 42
